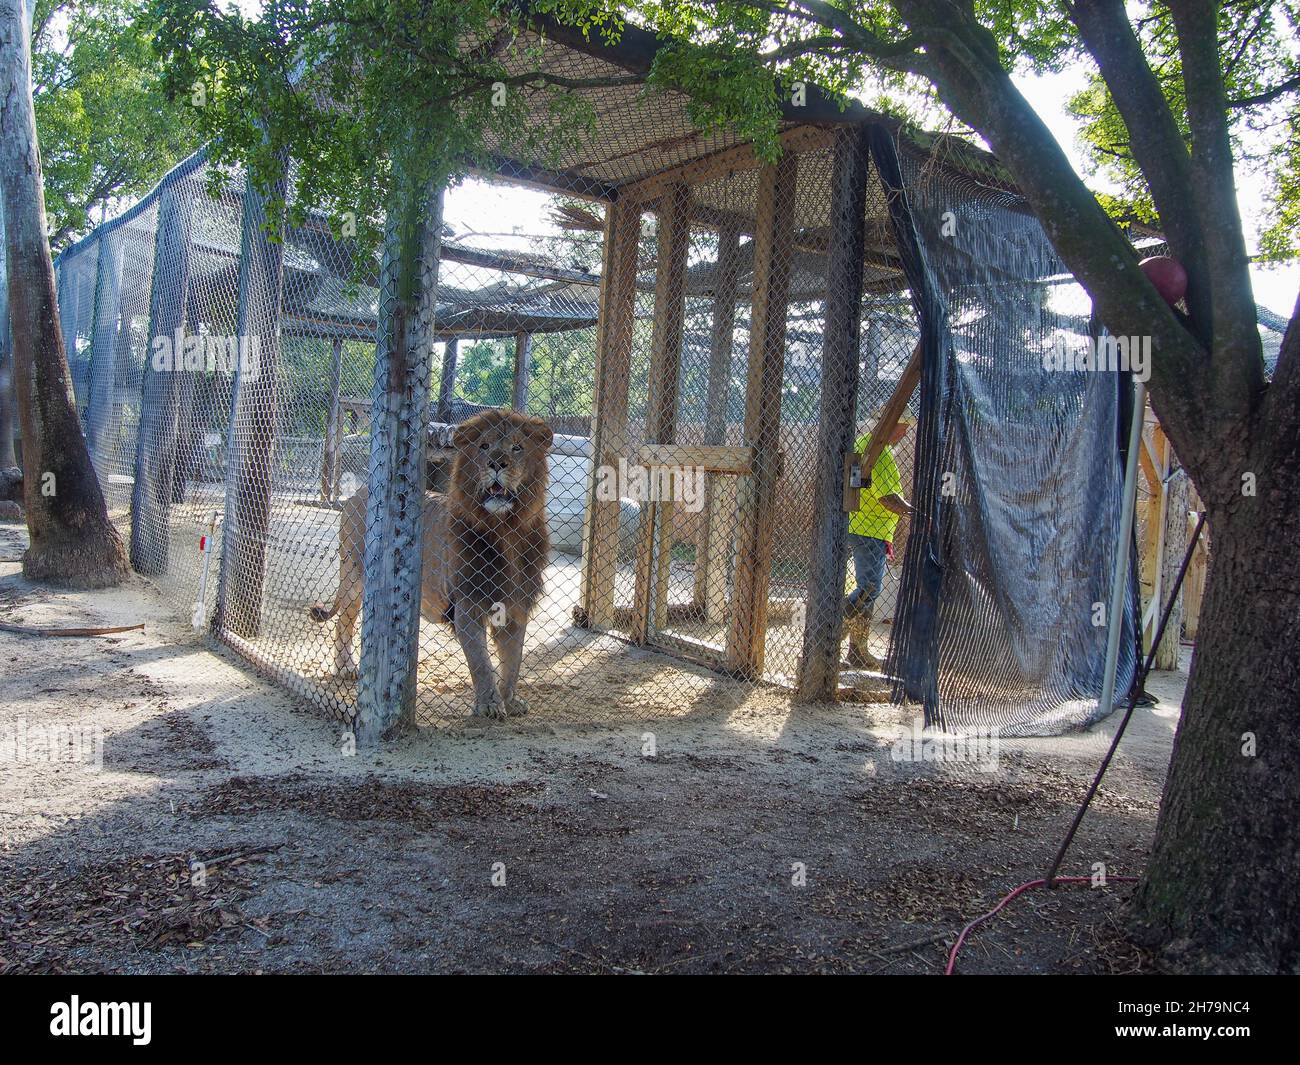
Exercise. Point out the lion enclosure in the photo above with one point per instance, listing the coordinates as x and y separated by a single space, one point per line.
706 334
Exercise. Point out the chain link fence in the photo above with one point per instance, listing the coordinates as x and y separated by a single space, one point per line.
706 339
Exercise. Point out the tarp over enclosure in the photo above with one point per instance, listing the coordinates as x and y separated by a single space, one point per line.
720 316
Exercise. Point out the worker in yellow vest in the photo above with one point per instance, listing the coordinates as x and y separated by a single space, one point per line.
871 532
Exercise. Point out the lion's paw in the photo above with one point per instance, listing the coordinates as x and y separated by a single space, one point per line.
490 707
516 706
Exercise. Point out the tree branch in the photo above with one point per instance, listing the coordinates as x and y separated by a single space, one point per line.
1155 141
1238 363
1088 241
1268 95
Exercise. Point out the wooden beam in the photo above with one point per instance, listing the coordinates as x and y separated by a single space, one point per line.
1157 509
673 244
818 675
609 411
1147 460
447 380
519 377
757 503
103 350
726 162
1173 547
329 474
160 390
517 264
253 421
712 458
888 418
537 177
713 551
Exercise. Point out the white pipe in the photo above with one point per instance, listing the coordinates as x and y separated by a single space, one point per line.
1119 582
198 616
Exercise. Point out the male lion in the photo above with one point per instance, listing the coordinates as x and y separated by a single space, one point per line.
486 545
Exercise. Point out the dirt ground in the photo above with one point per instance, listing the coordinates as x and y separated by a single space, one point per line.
231 830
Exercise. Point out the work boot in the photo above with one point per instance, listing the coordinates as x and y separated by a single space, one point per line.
858 626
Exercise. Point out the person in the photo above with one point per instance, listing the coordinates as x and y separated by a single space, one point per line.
871 532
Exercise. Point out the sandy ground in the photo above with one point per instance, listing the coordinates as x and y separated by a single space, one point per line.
231 829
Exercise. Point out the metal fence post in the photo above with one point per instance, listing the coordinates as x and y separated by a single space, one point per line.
103 347
819 671
155 457
399 422
251 441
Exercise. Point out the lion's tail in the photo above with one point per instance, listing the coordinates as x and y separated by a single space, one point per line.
321 612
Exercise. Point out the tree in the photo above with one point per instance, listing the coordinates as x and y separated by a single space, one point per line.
1217 893
486 368
71 539
107 130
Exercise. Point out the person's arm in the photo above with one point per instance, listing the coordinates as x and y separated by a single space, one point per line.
897 504
887 485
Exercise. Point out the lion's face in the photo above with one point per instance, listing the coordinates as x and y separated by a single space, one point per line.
500 464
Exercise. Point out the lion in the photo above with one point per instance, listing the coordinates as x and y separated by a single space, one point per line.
486 545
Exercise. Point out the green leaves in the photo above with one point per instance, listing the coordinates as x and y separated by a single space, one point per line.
106 129
1259 58
361 95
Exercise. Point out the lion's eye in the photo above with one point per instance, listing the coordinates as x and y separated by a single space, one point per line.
517 447
483 447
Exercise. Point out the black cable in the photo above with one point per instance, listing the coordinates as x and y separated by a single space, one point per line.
1132 702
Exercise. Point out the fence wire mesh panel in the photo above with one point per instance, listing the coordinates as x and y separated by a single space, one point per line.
1021 486
648 370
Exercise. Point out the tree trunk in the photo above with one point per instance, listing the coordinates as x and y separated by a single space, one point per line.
1220 893
7 456
71 539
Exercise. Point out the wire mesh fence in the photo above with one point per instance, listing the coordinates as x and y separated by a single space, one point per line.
228 407
618 431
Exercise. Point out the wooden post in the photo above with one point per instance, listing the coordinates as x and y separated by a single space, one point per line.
674 239
888 418
757 503
155 457
447 380
523 366
713 551
820 666
1174 546
609 438
253 421
329 466
399 426
1194 583
1157 516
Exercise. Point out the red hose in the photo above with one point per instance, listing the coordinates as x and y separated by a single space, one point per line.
952 956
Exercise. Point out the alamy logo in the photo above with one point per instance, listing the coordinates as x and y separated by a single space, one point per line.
652 484
74 744
210 352
978 748
1106 354
75 1017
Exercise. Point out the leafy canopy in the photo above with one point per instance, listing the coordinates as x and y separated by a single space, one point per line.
371 94
1261 71
106 129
